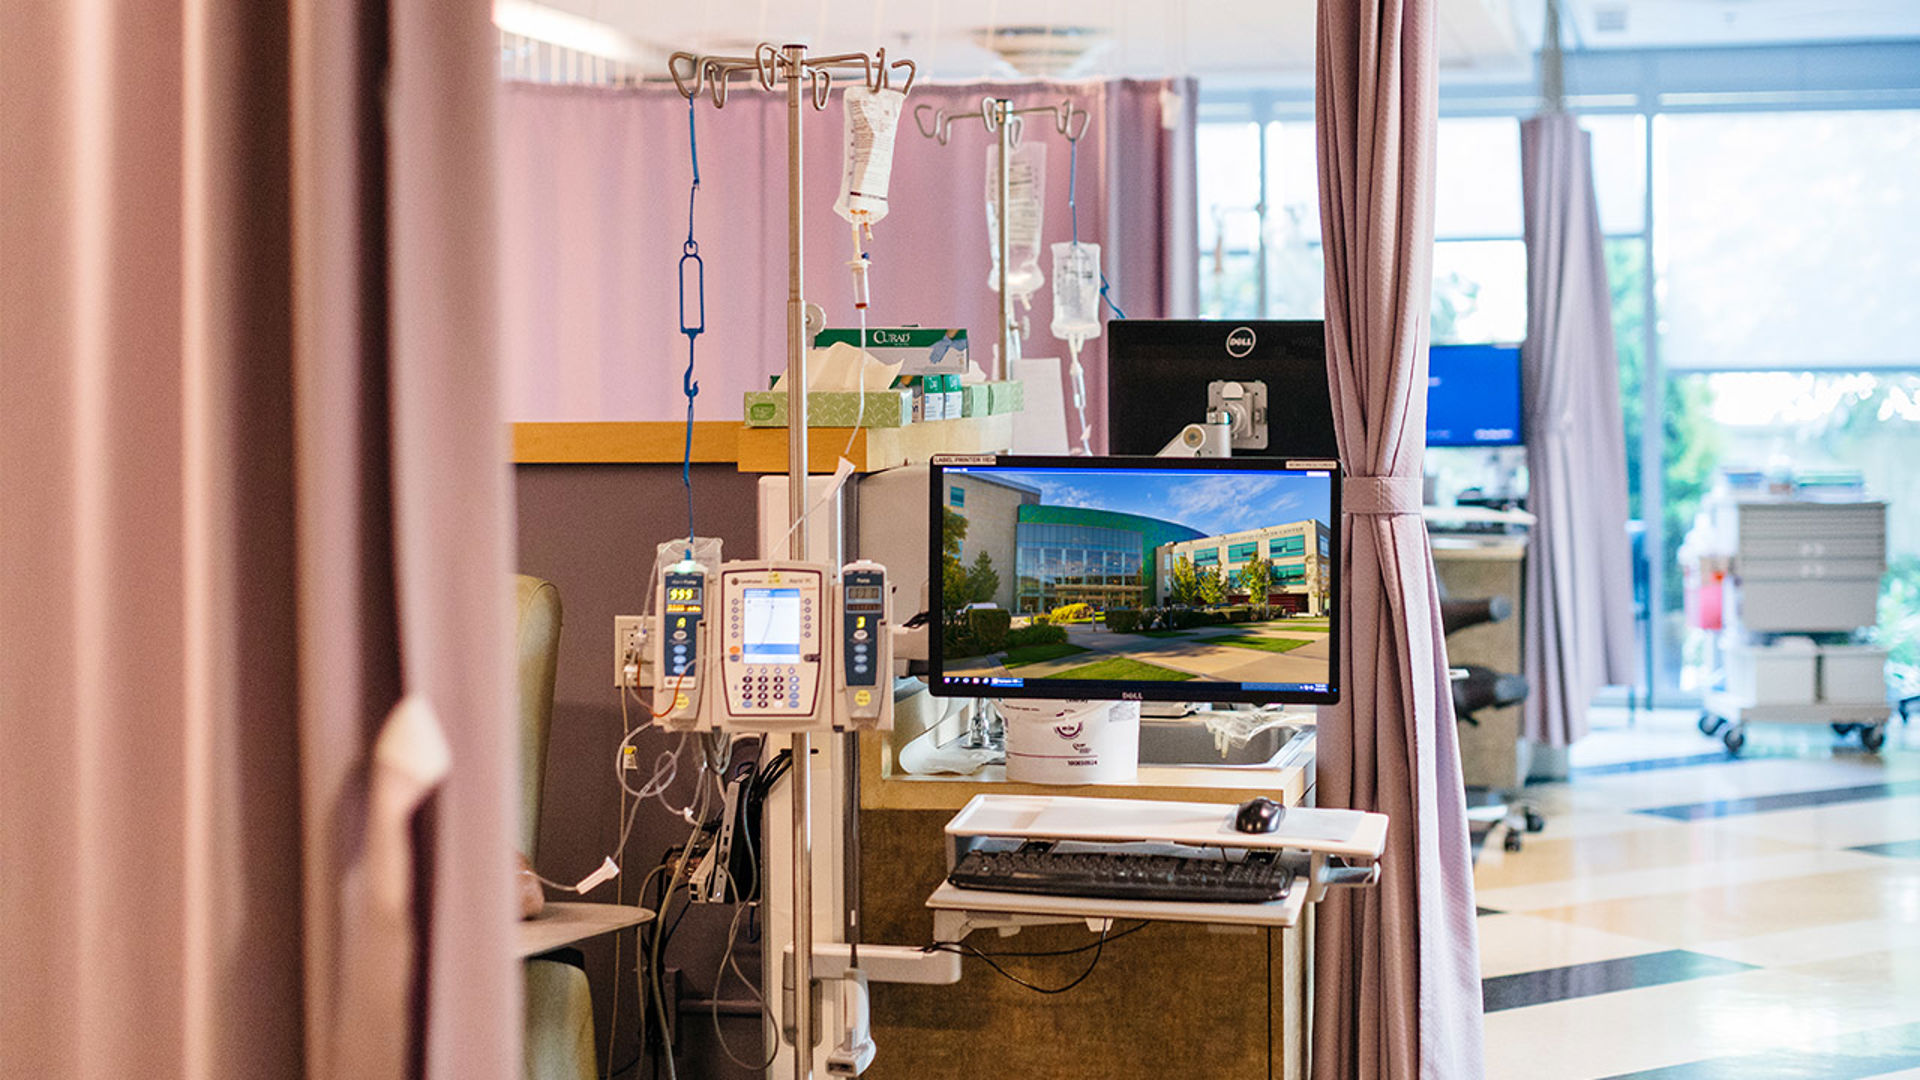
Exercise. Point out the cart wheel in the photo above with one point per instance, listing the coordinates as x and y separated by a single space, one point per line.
1873 737
1844 729
1709 724
1512 842
1535 822
1735 739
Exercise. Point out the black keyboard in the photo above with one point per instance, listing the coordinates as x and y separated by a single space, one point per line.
1124 875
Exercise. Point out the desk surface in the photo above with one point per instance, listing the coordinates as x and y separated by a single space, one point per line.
1288 779
564 922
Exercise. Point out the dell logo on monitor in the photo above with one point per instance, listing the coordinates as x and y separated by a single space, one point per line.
1240 342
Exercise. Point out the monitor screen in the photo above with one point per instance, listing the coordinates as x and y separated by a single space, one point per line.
1159 372
1164 579
1473 395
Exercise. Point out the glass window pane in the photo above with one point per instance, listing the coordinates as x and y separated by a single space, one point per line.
1229 285
1800 422
1477 178
1229 185
1787 240
1619 170
1479 291
1296 268
1293 182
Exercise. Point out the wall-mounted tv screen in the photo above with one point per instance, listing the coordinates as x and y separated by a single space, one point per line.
1161 579
1473 395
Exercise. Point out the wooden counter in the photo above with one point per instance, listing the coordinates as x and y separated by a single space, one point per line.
754 449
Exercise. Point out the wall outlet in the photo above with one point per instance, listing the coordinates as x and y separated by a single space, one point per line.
629 646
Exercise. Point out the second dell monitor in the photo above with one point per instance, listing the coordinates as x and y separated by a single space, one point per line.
1163 374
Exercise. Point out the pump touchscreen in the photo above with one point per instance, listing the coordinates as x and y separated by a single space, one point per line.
772 632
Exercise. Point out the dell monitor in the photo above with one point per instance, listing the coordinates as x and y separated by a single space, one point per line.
1163 374
1473 395
1152 579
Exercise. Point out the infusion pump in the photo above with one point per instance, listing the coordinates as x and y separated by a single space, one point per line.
773 646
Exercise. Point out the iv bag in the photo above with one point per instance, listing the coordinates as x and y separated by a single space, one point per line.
1076 293
1026 178
867 159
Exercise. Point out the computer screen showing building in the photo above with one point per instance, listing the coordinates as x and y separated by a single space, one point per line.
1135 578
1473 395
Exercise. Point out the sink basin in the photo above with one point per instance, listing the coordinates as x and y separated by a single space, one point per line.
1188 742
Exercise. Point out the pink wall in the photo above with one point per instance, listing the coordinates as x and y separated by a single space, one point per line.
594 214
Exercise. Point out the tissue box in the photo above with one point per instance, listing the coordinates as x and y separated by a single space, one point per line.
918 350
1006 397
974 400
832 408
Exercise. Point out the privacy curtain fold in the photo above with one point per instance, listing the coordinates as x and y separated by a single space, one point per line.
254 491
1578 607
593 216
1396 975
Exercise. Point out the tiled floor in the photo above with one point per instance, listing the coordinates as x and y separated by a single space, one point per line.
1687 916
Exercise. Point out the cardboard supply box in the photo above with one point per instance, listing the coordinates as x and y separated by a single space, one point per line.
919 350
833 408
1005 397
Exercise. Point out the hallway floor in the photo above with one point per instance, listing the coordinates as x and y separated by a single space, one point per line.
1688 916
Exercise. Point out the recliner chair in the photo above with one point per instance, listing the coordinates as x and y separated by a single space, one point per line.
559 1006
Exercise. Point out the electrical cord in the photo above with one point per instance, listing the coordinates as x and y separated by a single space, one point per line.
727 961
990 959
675 882
965 949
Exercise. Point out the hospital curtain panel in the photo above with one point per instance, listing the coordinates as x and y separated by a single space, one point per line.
255 496
593 216
1578 619
1396 976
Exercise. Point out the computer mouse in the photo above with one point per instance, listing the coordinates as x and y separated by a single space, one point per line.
1258 815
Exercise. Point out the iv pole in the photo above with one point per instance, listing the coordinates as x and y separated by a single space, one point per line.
1001 117
789 64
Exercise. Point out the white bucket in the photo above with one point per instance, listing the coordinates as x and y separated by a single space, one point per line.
1072 742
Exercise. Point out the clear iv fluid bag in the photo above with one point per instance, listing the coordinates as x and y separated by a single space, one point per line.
1076 292
1026 183
867 153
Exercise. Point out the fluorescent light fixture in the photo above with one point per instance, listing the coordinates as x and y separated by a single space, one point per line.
566 30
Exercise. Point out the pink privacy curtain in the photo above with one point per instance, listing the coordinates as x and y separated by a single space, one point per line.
594 213
255 496
1579 611
1396 976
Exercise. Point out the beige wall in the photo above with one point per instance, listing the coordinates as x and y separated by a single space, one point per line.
992 513
1313 586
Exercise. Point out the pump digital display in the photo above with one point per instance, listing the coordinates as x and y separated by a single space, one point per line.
863 592
772 626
